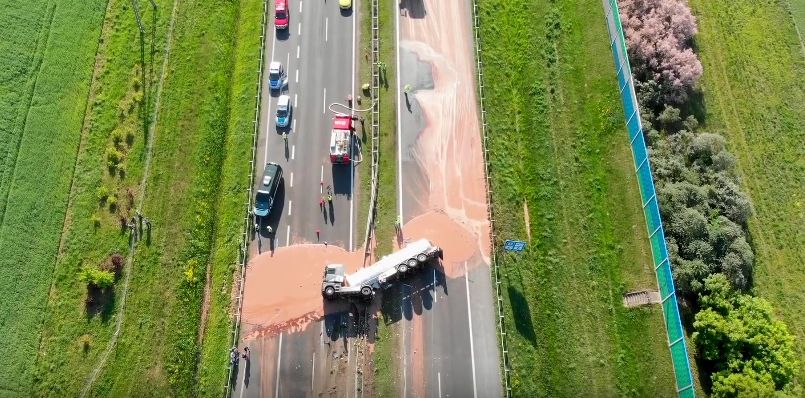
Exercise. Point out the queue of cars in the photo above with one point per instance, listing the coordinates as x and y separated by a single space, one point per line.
278 81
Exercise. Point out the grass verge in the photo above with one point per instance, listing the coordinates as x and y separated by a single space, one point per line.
558 147
196 192
48 80
232 198
755 94
386 345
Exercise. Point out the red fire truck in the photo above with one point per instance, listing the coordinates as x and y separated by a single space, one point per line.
341 139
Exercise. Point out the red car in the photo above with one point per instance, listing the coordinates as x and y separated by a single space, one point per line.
281 14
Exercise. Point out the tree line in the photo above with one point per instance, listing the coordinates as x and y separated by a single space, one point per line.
741 345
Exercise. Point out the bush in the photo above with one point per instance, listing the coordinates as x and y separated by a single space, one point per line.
103 193
113 157
117 139
96 220
96 277
113 264
112 202
658 35
750 351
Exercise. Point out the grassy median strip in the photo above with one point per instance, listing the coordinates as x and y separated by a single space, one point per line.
386 346
45 81
559 153
755 92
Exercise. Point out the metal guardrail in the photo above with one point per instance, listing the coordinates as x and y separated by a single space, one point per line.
375 120
244 248
651 211
495 269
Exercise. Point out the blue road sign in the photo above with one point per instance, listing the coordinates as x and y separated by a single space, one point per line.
514 245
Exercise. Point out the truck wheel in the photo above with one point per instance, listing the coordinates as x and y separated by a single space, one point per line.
402 267
366 291
329 292
421 257
412 262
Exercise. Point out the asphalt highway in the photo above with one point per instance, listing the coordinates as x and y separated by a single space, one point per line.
317 52
458 355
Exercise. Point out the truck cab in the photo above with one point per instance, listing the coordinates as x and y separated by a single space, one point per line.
334 282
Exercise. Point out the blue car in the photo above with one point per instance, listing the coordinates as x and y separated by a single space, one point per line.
276 76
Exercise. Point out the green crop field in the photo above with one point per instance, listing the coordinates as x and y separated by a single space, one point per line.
45 81
755 94
195 197
558 145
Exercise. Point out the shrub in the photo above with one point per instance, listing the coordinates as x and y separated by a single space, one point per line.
113 157
117 139
750 351
113 264
658 33
96 220
112 202
103 193
96 277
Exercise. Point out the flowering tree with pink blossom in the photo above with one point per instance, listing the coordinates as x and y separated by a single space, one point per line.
658 36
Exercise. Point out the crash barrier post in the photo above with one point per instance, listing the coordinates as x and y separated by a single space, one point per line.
662 265
504 349
247 222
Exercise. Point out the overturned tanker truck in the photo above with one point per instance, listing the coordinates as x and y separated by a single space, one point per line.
366 281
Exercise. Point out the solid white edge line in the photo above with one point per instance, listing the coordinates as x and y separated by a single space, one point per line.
313 374
405 355
324 101
290 206
399 119
469 316
434 274
292 187
352 165
288 236
287 60
268 92
439 378
277 379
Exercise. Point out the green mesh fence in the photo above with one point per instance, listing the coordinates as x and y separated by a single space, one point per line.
651 210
